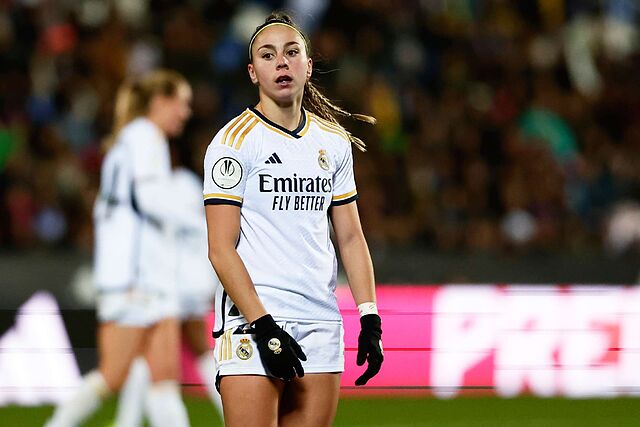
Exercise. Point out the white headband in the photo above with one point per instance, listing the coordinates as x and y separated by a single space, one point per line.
269 25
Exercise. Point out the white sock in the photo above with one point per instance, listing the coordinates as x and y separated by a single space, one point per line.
82 404
132 396
207 370
164 405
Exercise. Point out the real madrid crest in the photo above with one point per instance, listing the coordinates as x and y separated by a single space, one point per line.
323 161
244 350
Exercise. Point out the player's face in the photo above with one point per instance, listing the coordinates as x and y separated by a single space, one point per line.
172 112
280 65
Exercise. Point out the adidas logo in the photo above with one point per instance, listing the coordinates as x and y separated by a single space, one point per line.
273 159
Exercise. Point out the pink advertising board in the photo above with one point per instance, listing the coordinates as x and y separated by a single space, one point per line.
551 340
440 340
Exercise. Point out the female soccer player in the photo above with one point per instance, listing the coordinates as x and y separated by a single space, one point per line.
136 219
196 283
274 177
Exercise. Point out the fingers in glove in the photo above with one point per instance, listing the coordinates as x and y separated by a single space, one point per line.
297 366
362 355
289 375
298 351
372 370
375 354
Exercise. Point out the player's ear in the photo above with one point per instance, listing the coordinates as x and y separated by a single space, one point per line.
309 68
252 74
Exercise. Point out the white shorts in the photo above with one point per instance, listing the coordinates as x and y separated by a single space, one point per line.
194 306
131 308
236 352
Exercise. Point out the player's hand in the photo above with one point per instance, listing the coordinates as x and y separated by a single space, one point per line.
279 352
370 347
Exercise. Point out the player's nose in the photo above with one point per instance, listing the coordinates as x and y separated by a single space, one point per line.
281 62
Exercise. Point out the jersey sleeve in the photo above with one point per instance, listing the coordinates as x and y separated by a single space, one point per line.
344 184
225 173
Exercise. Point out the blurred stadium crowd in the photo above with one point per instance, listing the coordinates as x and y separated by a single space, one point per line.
502 125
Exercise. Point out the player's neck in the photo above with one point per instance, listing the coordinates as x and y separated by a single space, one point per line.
288 116
157 122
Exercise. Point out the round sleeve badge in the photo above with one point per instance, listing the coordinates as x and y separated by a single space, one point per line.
226 173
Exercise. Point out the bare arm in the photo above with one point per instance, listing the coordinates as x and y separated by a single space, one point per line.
223 227
359 268
354 252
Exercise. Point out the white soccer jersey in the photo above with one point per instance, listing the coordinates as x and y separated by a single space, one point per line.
285 182
195 277
135 214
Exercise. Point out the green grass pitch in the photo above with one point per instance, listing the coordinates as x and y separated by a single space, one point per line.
459 412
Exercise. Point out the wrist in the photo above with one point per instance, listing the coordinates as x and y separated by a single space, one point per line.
367 308
253 313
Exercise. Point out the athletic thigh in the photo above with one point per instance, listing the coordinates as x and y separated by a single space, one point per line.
194 331
162 351
117 347
310 401
250 400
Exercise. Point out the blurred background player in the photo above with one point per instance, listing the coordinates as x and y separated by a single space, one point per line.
274 176
136 217
196 284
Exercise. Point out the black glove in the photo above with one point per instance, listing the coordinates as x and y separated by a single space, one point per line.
279 352
370 347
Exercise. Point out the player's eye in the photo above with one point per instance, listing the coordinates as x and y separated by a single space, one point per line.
267 55
292 52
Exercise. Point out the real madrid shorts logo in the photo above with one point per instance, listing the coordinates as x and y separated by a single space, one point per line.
244 349
323 161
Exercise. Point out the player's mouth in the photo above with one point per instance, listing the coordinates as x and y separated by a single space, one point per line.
284 81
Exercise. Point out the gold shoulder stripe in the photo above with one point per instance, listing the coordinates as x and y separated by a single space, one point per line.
344 196
332 130
245 132
232 126
326 123
330 124
338 130
236 130
222 196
